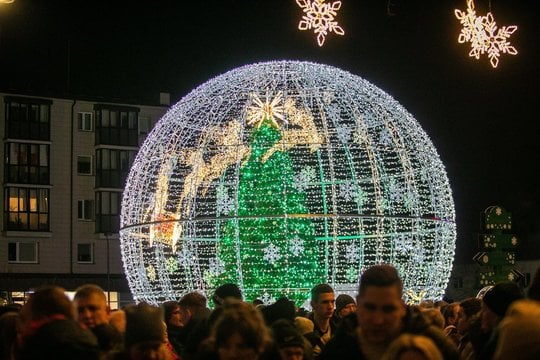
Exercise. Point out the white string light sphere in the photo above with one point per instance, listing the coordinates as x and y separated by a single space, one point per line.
277 176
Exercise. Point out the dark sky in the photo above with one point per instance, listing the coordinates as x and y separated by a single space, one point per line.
483 121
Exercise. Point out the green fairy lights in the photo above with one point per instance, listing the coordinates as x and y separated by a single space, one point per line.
270 248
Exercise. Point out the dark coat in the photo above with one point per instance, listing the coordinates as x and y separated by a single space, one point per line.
60 339
344 345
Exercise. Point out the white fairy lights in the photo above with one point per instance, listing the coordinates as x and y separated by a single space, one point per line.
484 35
320 16
375 193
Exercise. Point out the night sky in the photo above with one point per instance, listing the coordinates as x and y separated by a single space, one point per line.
483 121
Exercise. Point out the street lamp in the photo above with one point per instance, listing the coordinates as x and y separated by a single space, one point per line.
107 237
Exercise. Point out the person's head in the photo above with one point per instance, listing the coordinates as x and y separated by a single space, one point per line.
519 332
145 332
451 314
534 287
322 301
427 304
303 325
495 303
171 309
117 318
434 316
9 328
380 309
91 306
191 304
45 302
226 291
283 308
467 308
345 305
239 332
413 347
288 340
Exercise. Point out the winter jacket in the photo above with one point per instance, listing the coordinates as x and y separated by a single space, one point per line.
344 345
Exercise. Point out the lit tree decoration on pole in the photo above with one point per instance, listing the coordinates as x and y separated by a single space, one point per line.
320 16
483 34
249 178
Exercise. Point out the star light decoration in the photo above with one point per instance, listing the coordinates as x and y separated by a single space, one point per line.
319 16
269 109
370 201
484 35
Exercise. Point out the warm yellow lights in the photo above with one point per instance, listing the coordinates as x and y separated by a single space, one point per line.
319 16
266 110
302 131
484 35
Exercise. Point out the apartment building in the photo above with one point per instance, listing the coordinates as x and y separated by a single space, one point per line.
65 162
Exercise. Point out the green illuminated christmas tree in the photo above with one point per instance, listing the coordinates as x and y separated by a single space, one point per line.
272 250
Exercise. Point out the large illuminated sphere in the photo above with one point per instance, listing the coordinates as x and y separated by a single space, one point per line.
367 179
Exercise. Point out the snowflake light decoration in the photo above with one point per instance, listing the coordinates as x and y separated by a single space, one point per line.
483 34
190 191
351 252
297 246
320 16
271 254
498 39
304 178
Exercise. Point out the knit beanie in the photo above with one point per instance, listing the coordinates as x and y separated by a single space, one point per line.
500 296
342 301
144 323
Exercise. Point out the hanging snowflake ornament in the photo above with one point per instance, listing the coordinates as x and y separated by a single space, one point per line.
319 16
484 35
498 39
471 26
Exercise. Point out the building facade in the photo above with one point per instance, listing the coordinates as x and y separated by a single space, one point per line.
65 162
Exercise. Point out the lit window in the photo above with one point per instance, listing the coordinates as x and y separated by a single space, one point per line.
27 209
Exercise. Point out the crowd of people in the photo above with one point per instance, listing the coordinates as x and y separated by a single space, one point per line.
501 324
